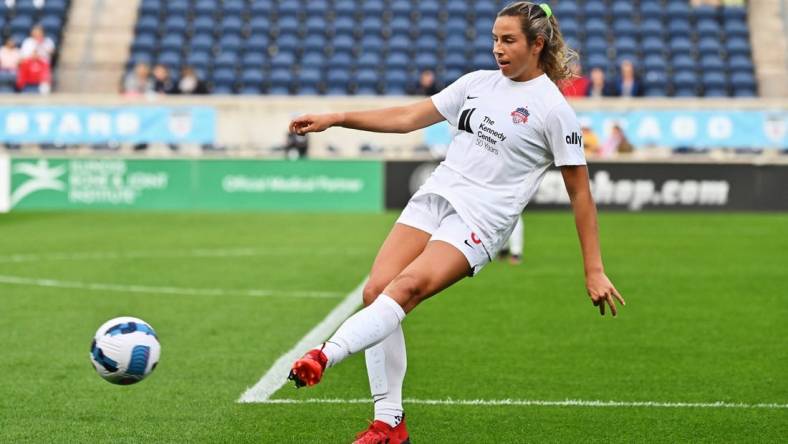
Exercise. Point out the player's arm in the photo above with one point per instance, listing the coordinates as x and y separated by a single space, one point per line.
397 119
598 285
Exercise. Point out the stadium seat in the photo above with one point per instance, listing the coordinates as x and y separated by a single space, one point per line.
623 9
202 27
595 9
199 59
283 60
737 46
714 80
147 25
206 7
705 12
683 62
172 42
708 28
736 29
680 46
398 60
740 63
654 62
711 63
177 8
678 10
396 82
709 46
625 28
743 80
596 27
734 13
685 83
368 60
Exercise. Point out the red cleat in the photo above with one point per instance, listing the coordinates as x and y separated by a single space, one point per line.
309 369
381 433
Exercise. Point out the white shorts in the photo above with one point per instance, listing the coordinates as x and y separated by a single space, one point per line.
435 215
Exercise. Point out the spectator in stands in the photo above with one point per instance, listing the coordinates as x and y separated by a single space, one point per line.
599 86
427 85
138 81
162 82
9 56
628 84
590 141
616 143
190 83
578 84
35 67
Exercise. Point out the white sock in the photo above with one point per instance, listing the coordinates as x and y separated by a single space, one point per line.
386 366
364 329
516 239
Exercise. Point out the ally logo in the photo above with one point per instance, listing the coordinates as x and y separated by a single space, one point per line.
41 177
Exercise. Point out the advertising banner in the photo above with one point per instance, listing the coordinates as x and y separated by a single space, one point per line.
637 186
96 124
187 184
675 129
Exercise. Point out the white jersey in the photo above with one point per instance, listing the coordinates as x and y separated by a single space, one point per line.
506 135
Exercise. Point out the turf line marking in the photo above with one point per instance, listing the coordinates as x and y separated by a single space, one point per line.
193 253
52 283
276 376
538 403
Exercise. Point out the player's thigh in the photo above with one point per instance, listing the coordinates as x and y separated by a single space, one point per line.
439 266
403 244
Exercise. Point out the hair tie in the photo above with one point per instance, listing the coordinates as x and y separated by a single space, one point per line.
546 8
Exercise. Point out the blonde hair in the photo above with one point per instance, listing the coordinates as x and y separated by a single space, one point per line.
555 58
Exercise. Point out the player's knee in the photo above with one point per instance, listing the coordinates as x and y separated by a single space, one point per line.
371 292
409 288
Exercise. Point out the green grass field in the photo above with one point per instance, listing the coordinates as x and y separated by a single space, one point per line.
706 320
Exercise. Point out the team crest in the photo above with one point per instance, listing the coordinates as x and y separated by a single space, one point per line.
520 115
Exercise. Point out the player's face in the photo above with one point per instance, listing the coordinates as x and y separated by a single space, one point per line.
516 58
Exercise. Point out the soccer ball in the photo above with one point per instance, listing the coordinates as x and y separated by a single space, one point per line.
125 350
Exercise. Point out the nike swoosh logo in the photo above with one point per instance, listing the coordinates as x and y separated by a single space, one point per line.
468 243
472 97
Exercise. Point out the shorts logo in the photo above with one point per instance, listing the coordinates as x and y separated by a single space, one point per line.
520 115
475 238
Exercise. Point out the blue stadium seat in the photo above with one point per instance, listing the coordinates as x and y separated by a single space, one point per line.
428 8
399 26
291 9
259 25
714 80
344 8
709 46
224 78
654 62
227 59
309 81
257 43
144 42
455 44
564 10
372 26
202 26
368 60
430 26
623 9
705 12
597 61
233 8
206 7
740 63
337 82
147 25
288 26
734 13
177 8
455 61
711 63
625 28
172 42
21 24
55 7
340 61
736 29
146 6
427 60
202 42
429 43
685 83
313 59
230 42
653 46
261 8
231 24
683 62
708 28
596 45
679 27
399 43
396 82
280 81
401 8
737 46
252 77
484 61
678 9
170 59
283 60
343 25
344 43
287 43
316 25
651 27
742 80
373 44
744 92
680 45
626 45
52 24
199 59
367 80
655 82
397 60
175 24
315 42
457 27
372 9
595 9
595 27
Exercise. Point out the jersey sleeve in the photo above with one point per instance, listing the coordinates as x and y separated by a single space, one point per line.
449 101
564 136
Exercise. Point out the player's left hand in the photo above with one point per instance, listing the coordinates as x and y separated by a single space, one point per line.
602 292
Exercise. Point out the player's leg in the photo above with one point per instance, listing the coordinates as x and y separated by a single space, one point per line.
387 361
516 242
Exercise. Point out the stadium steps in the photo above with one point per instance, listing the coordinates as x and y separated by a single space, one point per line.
95 48
769 47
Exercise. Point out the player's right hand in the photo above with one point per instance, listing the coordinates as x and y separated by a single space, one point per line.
312 123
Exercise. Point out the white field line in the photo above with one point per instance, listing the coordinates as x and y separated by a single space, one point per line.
122 288
276 376
538 403
193 253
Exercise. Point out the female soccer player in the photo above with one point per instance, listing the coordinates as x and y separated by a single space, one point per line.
511 125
